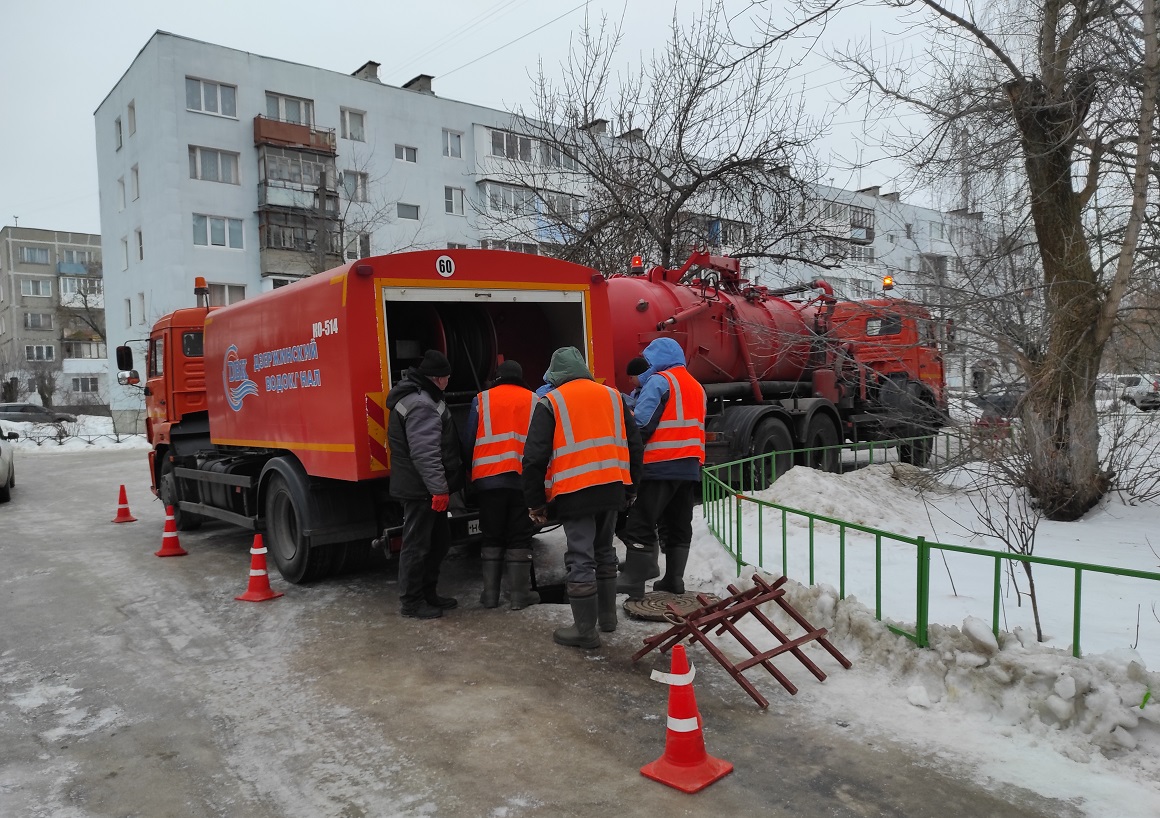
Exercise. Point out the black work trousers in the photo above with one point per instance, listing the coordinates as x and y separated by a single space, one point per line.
503 519
426 541
667 503
590 552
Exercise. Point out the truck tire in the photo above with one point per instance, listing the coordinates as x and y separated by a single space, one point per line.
172 492
916 452
296 561
821 434
770 438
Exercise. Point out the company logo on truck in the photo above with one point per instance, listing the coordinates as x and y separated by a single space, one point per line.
234 372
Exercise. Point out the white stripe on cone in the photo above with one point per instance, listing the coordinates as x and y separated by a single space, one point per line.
683 725
675 678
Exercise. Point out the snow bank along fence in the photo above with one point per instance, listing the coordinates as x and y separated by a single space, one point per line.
724 508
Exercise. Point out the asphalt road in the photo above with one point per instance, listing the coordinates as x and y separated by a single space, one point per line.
136 686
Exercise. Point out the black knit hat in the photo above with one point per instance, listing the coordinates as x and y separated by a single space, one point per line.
509 372
637 366
434 364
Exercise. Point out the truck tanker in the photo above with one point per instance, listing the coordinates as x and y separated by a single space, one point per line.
269 413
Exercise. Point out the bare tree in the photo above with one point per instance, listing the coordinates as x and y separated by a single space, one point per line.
1056 99
698 146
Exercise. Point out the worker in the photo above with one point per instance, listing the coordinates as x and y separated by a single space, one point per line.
670 413
425 469
581 463
636 367
497 425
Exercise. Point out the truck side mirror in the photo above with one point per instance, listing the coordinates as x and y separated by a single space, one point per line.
124 359
130 378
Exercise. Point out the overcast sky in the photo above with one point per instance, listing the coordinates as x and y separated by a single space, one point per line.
61 57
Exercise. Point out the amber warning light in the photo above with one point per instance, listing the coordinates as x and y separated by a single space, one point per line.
887 283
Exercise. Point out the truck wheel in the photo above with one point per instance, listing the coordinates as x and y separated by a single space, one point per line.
772 439
917 452
172 491
291 554
821 441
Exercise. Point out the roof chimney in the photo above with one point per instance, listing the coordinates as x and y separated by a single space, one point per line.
420 84
368 71
635 133
890 197
596 126
871 191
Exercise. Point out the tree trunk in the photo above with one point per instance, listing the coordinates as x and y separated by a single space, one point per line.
1059 411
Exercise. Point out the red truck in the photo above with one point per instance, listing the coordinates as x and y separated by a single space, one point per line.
269 413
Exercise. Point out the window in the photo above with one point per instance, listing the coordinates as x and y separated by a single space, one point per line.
135 183
34 255
289 109
352 125
358 247
451 245
287 165
117 132
511 146
211 165
519 201
124 254
79 257
40 352
835 212
155 358
860 252
910 231
131 116
354 185
452 144
513 246
211 97
141 308
90 350
406 153
221 295
453 200
407 211
36 287
217 231
936 230
88 384
128 312
140 244
192 344
557 157
121 194
890 324
567 209
38 320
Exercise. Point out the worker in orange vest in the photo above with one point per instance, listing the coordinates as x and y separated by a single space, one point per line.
670 412
582 460
497 425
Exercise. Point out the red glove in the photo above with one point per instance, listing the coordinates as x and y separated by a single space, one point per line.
439 502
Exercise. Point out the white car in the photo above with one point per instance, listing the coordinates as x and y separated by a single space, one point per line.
7 465
1142 391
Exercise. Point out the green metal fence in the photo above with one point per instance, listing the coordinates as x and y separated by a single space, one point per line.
724 511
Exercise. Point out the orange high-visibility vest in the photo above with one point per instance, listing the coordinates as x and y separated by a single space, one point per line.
681 430
590 444
505 411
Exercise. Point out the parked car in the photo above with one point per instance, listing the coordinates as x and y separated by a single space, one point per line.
1142 391
33 413
7 465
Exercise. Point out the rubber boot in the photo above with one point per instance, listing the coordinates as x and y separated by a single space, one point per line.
492 565
606 594
583 633
518 565
640 563
674 579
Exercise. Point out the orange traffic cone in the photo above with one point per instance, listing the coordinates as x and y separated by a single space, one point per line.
685 765
170 545
123 515
259 589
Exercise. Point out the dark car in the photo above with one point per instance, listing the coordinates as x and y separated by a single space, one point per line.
32 413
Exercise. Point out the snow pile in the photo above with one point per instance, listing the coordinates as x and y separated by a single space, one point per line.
88 432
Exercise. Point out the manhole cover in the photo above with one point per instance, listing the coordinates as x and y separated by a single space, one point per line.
655 604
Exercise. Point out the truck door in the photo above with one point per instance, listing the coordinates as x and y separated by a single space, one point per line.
156 389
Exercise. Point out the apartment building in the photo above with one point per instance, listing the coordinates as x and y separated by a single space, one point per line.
52 347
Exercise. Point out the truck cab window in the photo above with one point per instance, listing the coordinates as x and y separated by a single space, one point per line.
192 344
156 357
886 325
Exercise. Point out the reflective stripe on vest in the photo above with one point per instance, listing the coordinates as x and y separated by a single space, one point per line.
590 444
505 411
681 431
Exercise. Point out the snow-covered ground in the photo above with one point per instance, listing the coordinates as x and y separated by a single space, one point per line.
1007 710
88 432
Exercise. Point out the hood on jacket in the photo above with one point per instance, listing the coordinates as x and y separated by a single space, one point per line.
567 365
661 354
409 384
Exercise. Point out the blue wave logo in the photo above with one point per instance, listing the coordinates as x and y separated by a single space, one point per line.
234 372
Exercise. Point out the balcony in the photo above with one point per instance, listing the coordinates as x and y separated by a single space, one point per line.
295 196
291 134
71 268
